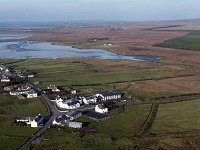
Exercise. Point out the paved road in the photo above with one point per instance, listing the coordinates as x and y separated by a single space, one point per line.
52 108
54 114
38 133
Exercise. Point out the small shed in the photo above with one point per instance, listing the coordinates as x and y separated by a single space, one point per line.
75 125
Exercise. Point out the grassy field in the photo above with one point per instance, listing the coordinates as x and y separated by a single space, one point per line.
98 75
11 105
75 74
10 143
114 133
12 137
191 27
187 42
177 117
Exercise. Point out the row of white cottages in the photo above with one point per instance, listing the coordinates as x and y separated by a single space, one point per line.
63 120
76 103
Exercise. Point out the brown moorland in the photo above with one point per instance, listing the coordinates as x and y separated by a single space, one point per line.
182 67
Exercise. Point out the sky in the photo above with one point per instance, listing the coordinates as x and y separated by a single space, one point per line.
71 10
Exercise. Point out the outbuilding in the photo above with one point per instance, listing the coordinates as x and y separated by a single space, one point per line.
75 125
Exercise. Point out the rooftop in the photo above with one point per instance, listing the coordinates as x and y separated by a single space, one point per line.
110 93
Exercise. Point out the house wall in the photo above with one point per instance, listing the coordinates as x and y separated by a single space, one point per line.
34 124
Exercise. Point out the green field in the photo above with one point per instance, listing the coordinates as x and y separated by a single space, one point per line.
85 75
80 74
10 143
11 105
115 133
12 137
177 117
187 42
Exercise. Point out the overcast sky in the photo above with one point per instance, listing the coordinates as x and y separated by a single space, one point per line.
69 10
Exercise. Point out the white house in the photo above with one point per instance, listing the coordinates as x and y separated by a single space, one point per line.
30 76
38 121
67 104
31 94
90 99
61 120
73 92
53 88
108 44
101 109
2 67
75 124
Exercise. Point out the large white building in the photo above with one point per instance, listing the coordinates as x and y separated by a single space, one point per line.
109 95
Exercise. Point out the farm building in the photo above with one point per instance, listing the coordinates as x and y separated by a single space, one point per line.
53 88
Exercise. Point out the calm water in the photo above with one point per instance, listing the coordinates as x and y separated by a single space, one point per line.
13 36
32 49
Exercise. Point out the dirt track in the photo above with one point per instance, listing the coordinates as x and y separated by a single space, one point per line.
149 121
